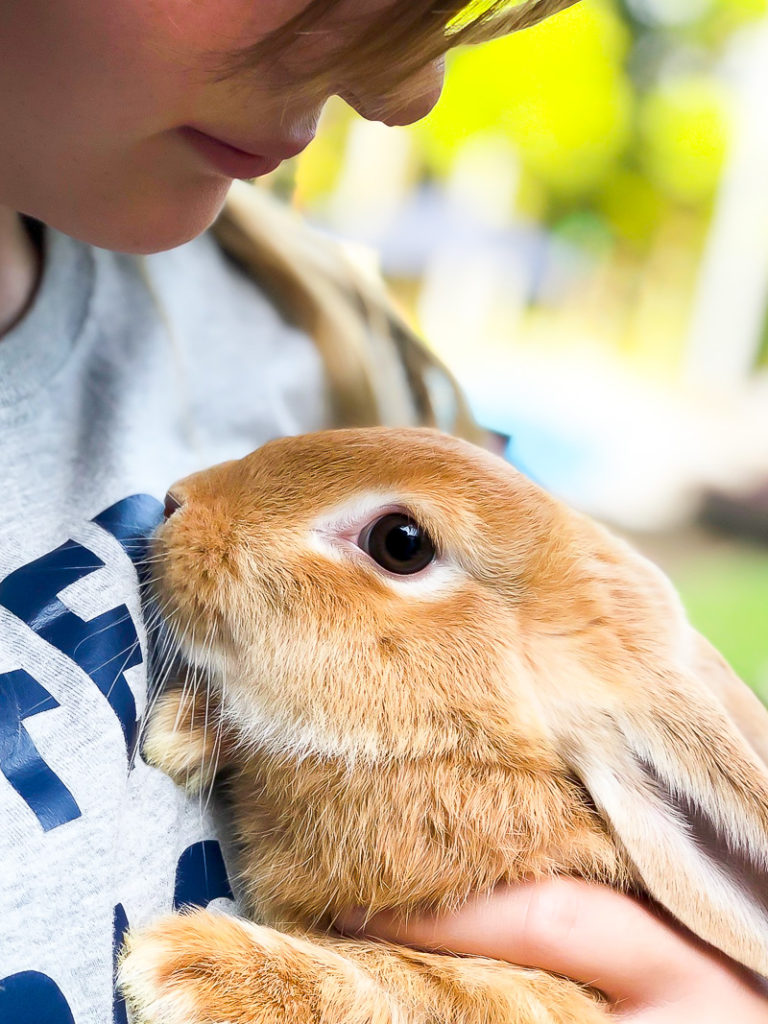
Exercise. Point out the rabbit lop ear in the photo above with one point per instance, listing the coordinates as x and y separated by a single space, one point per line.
684 792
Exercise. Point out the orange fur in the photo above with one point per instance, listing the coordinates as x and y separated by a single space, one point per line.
534 709
421 833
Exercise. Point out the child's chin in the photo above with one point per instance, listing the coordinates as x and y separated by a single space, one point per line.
154 222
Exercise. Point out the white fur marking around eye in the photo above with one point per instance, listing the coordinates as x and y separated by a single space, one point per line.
334 535
357 511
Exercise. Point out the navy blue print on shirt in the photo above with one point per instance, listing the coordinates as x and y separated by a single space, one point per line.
119 928
131 521
31 996
104 647
42 790
201 876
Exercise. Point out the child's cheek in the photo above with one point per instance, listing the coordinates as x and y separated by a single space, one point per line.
209 25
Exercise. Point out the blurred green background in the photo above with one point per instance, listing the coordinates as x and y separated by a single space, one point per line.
580 229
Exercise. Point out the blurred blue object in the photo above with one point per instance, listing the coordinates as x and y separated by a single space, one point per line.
554 462
558 462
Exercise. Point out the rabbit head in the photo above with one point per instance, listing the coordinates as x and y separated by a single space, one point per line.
369 595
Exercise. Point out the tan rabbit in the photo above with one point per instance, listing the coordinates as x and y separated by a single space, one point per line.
430 678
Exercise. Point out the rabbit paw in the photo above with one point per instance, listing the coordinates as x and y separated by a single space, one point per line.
183 738
200 967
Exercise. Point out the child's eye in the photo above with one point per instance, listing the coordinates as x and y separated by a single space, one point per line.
398 544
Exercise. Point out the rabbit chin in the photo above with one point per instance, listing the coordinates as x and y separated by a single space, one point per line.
206 658
271 730
260 721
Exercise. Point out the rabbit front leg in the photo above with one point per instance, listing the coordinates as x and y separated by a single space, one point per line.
199 967
206 968
186 738
471 990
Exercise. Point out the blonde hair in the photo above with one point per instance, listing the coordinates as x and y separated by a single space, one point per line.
378 370
405 37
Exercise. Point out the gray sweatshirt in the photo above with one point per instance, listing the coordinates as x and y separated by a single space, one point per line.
126 374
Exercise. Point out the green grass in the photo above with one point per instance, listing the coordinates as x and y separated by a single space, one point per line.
725 591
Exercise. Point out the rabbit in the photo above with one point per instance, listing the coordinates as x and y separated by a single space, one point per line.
424 677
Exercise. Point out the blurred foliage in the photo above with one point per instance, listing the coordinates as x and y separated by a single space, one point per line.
618 116
558 92
683 130
724 588
614 107
599 113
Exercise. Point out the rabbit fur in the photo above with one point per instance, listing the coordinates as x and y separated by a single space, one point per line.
532 703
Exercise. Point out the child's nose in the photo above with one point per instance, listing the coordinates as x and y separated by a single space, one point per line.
411 100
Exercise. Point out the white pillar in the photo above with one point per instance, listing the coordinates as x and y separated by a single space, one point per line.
732 291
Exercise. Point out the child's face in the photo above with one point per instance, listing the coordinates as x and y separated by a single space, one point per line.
95 94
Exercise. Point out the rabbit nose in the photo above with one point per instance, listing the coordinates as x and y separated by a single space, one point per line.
171 505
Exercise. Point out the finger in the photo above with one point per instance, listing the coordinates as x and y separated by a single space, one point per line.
586 932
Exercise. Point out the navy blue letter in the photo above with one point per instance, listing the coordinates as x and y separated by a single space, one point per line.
45 794
32 996
201 876
119 928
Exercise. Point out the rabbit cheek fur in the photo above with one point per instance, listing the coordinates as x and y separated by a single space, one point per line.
533 703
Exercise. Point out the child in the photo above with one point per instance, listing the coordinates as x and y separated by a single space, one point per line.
122 129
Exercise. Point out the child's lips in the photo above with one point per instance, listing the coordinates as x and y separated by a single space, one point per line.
229 160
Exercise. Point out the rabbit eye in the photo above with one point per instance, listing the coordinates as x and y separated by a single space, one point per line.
398 544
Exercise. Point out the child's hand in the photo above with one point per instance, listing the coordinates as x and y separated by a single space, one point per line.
652 972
